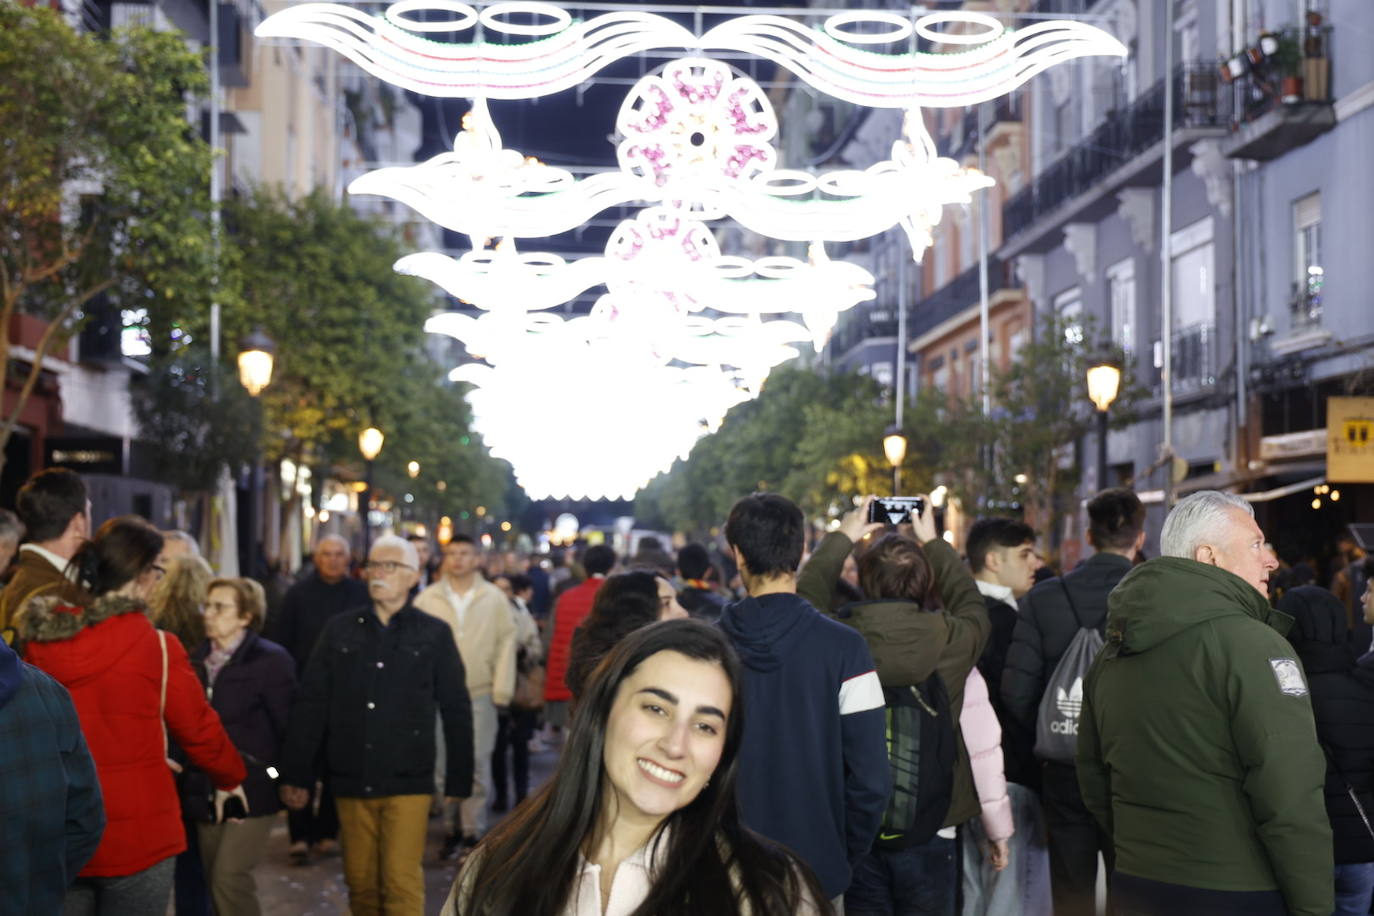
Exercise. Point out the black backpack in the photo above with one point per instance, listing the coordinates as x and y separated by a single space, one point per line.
921 755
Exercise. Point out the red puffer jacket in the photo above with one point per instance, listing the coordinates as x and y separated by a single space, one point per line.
107 655
572 608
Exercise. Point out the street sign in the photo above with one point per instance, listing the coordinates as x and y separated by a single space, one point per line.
1350 440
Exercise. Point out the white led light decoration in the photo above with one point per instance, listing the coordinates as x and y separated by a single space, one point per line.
683 332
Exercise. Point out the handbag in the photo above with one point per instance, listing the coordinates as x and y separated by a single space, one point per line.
1349 789
529 688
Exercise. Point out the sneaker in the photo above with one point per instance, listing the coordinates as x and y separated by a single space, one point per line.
536 746
327 848
450 845
298 853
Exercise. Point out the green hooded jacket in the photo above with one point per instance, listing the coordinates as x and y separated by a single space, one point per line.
1197 749
909 644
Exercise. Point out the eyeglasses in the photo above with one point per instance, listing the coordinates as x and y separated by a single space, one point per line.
386 567
159 570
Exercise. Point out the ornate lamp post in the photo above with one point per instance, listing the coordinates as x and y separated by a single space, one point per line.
1104 381
370 444
257 354
894 447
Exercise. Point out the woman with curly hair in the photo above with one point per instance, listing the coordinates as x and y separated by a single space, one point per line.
176 601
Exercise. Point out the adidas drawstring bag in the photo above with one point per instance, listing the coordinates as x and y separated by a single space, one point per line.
1056 724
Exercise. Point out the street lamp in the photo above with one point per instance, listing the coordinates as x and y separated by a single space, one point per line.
894 447
413 469
1104 381
257 353
370 444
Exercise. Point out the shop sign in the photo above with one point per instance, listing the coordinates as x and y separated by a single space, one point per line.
1350 440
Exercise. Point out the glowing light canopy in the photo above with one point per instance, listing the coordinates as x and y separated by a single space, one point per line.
684 331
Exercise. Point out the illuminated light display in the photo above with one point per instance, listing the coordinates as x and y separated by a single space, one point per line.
683 331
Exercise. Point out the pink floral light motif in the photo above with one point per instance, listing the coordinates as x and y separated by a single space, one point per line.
652 254
696 128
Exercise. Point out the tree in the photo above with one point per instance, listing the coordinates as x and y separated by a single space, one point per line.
103 184
813 437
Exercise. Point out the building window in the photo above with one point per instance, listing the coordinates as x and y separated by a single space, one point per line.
1121 301
1194 295
1068 305
1306 302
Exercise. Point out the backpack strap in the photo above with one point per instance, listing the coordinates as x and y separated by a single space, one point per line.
1073 609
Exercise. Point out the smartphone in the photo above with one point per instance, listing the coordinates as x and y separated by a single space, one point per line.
234 809
895 510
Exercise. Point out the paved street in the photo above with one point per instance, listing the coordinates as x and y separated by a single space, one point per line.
318 889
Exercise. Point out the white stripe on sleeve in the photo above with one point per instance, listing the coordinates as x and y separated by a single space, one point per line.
861 693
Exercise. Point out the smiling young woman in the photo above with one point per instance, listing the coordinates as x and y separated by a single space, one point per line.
641 816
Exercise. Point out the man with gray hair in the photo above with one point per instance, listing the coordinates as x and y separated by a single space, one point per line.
310 603
366 708
1197 751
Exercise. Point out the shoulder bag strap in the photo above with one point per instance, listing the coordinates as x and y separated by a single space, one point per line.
162 699
1349 789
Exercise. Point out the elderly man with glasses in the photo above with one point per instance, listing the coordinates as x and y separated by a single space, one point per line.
366 708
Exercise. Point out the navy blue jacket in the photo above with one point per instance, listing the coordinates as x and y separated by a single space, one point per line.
252 695
51 814
368 701
813 772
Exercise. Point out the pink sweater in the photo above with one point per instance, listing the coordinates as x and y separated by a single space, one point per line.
983 738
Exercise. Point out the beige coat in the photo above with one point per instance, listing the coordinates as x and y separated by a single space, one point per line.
486 638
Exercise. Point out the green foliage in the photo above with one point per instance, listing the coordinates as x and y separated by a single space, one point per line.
817 439
103 184
192 433
807 435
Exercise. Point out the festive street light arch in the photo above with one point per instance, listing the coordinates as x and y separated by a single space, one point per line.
696 146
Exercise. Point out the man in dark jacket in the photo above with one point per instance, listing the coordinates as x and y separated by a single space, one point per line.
813 771
1051 615
51 816
368 699
1197 750
310 604
909 643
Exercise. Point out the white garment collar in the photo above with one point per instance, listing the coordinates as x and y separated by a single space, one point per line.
992 590
59 563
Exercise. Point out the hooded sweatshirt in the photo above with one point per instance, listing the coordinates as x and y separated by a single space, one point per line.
1196 747
51 816
813 771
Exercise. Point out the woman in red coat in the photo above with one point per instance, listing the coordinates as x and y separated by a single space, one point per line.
126 680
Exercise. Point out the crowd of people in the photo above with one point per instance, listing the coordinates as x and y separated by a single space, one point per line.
871 723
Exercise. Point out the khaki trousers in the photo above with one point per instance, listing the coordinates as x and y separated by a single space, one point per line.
383 845
230 852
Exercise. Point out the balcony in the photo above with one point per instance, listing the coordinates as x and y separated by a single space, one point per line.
858 326
963 142
957 295
1194 358
1115 154
1285 102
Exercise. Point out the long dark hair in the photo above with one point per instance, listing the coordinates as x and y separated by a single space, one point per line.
624 603
711 862
123 549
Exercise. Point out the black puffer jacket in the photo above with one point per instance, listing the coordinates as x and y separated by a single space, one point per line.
1047 625
1343 704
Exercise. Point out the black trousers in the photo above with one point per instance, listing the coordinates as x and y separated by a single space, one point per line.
310 826
1074 840
514 728
1143 897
